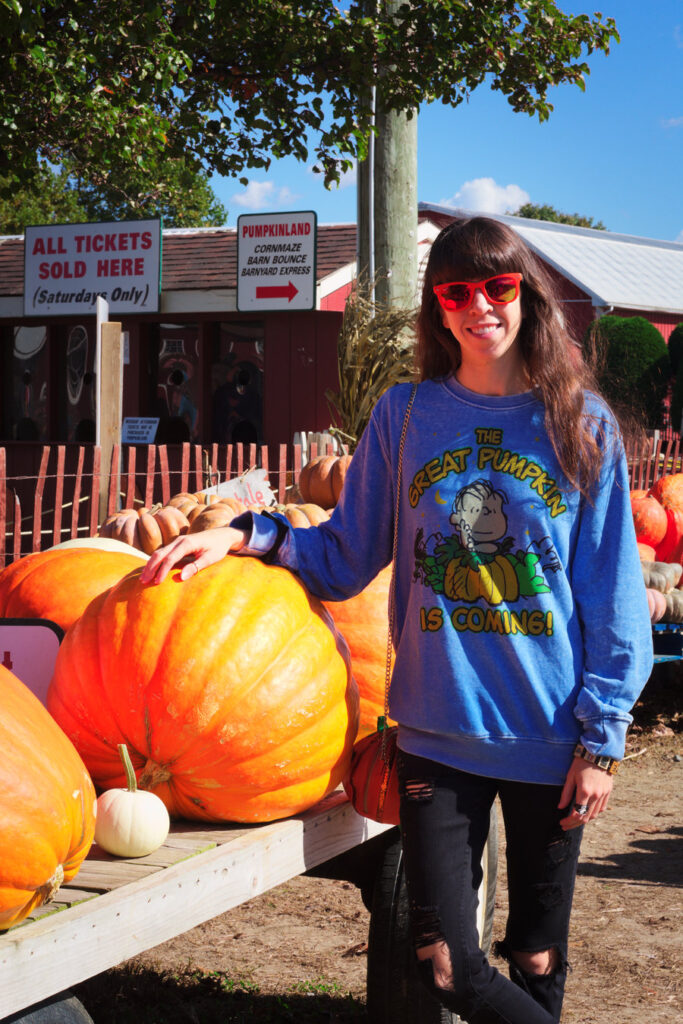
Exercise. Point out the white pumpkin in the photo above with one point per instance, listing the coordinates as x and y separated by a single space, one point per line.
130 822
104 543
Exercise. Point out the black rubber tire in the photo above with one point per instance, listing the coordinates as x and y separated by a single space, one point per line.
395 994
63 1008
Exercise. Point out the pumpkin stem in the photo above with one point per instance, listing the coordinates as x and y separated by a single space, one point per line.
153 775
128 766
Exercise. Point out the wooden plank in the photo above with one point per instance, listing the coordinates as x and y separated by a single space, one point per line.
198 474
129 495
114 481
16 539
110 407
282 474
38 499
95 500
3 506
63 949
59 495
165 474
185 467
151 468
105 875
78 485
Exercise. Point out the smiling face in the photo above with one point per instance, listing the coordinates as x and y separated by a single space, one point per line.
487 334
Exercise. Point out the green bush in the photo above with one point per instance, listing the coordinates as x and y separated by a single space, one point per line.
633 365
676 348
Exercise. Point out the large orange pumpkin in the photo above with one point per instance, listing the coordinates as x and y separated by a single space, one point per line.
232 691
47 804
58 584
363 621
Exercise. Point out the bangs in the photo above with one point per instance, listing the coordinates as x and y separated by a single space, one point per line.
474 250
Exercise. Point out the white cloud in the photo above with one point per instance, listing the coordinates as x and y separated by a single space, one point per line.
263 195
485 196
673 122
680 237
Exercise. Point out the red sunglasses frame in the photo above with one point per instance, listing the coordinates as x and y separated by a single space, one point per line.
440 288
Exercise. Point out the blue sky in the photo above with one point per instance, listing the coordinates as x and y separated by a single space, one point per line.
614 153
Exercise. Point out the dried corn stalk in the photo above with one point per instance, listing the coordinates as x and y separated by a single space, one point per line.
375 350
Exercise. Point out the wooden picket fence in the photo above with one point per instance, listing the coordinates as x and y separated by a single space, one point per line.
61 500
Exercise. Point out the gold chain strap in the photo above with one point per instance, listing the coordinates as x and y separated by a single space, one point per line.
382 723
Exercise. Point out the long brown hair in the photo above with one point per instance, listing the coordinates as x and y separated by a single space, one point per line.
477 248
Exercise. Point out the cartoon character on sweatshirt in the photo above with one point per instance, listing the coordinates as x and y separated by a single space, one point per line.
477 561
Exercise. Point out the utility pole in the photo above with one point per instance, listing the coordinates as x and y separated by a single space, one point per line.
387 204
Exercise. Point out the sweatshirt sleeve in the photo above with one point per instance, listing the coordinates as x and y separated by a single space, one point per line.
338 558
611 602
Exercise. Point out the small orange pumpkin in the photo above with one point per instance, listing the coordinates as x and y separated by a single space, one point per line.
146 529
216 514
649 519
47 804
668 490
322 478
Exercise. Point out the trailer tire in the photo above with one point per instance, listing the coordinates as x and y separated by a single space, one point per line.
63 1008
395 994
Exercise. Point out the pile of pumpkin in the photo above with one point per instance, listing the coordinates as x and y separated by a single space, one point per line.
658 520
236 695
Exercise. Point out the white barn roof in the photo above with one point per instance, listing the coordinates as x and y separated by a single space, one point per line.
614 270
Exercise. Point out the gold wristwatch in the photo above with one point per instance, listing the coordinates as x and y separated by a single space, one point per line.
608 764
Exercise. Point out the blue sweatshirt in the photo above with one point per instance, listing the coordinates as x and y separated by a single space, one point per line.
521 623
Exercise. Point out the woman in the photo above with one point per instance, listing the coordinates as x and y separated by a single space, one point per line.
522 632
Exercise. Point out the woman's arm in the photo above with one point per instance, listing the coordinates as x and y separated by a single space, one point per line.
611 603
334 560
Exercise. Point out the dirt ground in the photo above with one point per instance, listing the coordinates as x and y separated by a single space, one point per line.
299 952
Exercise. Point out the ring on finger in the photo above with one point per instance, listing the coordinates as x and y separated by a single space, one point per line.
581 808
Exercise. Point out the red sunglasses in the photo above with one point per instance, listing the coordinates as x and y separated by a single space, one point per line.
500 289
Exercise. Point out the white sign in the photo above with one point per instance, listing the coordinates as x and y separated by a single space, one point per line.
276 261
251 487
139 429
28 648
66 267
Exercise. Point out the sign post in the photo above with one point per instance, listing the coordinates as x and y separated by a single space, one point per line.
276 261
109 370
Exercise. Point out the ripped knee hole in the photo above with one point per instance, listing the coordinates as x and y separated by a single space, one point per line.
419 789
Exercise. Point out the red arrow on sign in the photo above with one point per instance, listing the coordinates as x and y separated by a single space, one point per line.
287 291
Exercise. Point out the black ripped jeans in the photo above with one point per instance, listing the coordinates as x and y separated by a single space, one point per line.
444 825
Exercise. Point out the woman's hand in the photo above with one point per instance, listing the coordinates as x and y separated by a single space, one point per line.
195 550
585 786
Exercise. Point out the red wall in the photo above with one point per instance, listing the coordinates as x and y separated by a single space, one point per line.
300 364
